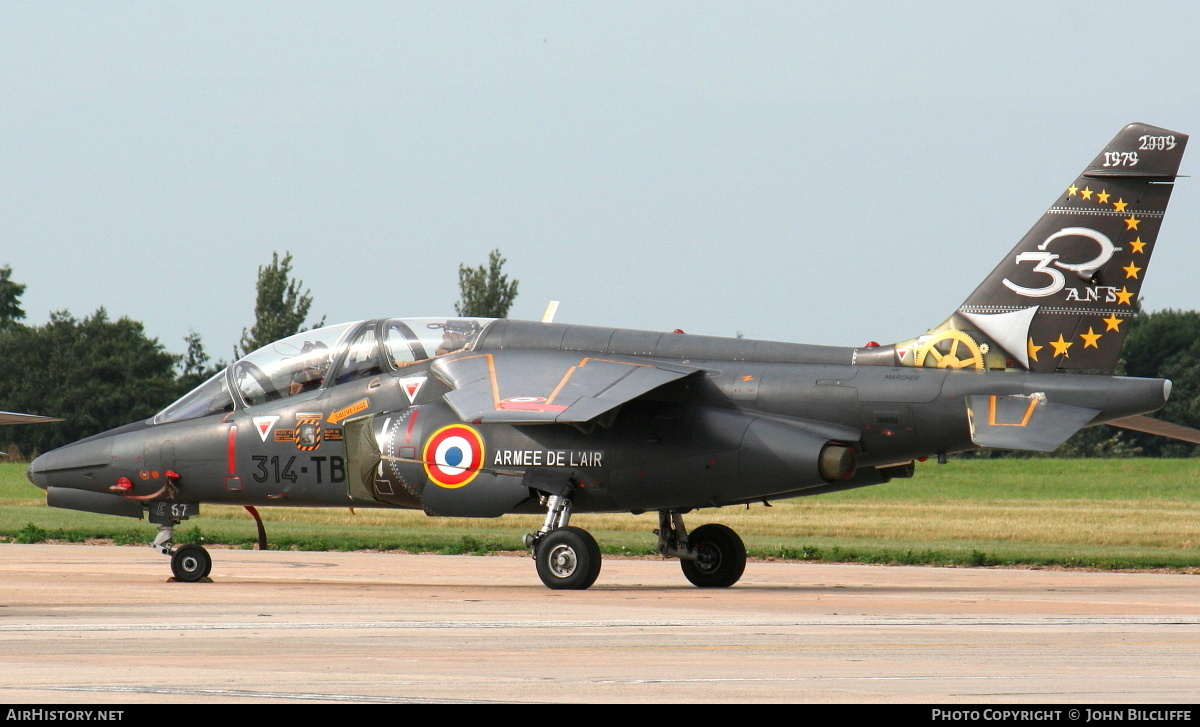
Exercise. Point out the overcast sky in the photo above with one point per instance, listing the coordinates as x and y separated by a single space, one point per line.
819 172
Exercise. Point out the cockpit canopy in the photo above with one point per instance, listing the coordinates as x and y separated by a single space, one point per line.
323 357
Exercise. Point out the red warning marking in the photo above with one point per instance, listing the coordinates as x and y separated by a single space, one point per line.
412 386
264 425
232 453
411 421
529 403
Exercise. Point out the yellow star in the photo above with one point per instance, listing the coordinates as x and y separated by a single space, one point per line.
1071 192
1124 296
1086 193
1090 338
1114 323
1137 244
1120 205
1131 270
1102 198
1061 346
1131 223
1033 350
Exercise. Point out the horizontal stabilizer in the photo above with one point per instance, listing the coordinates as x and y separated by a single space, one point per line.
1024 422
1150 425
540 387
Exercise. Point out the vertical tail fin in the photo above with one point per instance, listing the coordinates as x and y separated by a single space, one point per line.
1062 298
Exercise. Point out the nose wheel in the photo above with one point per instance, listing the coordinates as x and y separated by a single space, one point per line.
190 563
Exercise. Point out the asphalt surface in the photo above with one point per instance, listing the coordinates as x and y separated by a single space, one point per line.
105 625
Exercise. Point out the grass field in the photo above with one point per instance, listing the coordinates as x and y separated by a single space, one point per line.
1126 513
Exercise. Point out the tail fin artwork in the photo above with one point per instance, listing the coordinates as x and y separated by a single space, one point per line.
1061 300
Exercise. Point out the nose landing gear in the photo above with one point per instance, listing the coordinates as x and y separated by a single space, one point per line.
189 563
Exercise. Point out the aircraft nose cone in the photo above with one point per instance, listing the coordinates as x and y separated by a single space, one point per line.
35 477
40 468
75 465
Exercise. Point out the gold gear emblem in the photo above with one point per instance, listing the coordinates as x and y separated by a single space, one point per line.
949 358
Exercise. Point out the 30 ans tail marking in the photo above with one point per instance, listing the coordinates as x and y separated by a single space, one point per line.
1062 298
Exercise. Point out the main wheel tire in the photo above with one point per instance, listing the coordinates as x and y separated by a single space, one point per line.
190 563
568 559
720 557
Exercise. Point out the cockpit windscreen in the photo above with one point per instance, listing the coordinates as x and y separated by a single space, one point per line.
302 362
412 340
211 397
289 366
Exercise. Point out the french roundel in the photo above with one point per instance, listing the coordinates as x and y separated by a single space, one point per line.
453 455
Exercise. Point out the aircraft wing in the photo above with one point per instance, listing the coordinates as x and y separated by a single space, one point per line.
1151 425
540 387
8 417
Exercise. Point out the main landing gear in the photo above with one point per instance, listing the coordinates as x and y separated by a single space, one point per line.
712 556
568 558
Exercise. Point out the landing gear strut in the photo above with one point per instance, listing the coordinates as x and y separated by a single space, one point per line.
567 558
712 556
189 563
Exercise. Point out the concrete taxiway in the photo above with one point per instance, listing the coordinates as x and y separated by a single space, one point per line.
101 625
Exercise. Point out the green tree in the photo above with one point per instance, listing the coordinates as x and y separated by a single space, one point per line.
1156 337
279 307
1163 344
96 373
1183 369
10 299
485 291
1166 344
194 366
1100 441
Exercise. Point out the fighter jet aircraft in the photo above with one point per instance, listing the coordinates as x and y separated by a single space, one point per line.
473 417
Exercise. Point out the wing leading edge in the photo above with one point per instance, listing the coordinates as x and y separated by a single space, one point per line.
9 417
